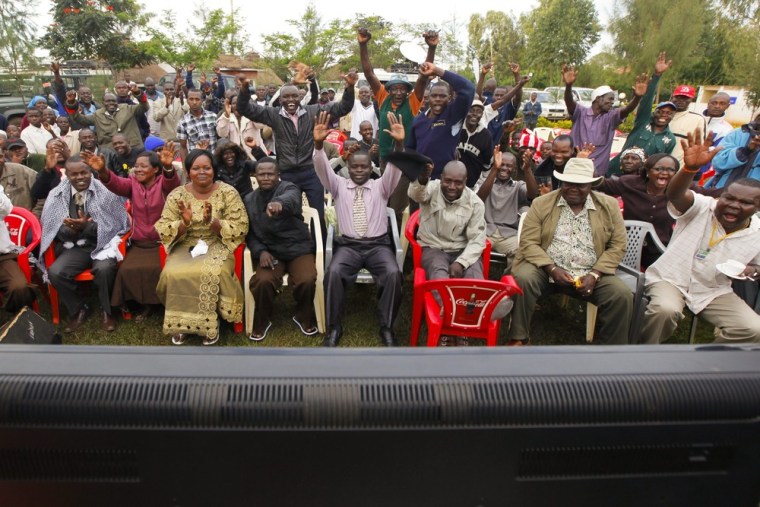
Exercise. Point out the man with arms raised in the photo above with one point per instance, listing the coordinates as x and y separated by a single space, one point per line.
596 124
400 97
693 270
360 206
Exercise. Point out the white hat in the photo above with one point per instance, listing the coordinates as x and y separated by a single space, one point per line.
478 103
598 92
579 170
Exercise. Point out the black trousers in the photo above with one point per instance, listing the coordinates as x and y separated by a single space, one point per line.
351 255
69 263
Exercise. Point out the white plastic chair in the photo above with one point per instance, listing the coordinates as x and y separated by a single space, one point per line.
364 276
311 218
629 271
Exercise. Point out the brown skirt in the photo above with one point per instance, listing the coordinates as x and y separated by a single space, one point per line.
138 276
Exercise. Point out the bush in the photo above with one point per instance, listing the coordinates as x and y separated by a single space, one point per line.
558 124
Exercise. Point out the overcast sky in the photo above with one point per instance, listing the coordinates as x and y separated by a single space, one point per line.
267 17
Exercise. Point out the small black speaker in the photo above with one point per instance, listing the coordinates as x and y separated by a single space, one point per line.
29 328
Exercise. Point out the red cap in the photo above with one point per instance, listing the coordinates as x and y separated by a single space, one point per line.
685 90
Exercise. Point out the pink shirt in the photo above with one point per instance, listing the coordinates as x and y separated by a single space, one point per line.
147 203
375 195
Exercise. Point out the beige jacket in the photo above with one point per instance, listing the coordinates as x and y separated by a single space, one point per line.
169 116
607 229
459 225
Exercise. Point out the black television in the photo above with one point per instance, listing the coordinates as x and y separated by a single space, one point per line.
543 426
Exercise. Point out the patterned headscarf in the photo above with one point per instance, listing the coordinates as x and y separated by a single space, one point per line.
635 151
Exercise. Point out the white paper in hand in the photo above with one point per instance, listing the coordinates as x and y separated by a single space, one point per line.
199 249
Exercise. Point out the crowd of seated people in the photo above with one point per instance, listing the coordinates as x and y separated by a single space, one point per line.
188 177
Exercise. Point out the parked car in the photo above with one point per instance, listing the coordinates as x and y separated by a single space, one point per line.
554 108
13 108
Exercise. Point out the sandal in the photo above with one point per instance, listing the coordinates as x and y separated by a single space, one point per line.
307 332
260 336
179 338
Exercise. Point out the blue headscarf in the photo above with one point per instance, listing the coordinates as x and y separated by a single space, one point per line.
36 99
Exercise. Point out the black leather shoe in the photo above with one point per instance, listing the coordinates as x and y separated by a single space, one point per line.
387 337
109 322
78 319
333 336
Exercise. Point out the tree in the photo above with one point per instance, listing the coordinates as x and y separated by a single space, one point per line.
497 38
215 33
17 41
559 32
97 30
384 45
316 44
643 28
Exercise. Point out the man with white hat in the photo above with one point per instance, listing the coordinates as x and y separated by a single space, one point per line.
596 124
475 144
571 242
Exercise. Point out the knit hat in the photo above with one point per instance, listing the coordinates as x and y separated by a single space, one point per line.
635 151
152 143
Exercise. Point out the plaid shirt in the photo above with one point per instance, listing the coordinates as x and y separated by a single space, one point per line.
197 129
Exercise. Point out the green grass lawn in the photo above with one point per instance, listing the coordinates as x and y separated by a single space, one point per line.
552 325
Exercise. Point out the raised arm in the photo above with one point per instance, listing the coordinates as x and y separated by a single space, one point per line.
431 39
485 189
639 89
251 110
363 36
517 99
484 70
514 92
569 75
346 103
696 153
321 165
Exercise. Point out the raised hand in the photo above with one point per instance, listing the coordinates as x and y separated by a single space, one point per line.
191 67
431 38
640 86
321 126
203 144
227 108
486 68
396 131
697 152
217 70
585 150
527 161
524 79
363 35
662 64
166 155
497 158
56 68
428 69
51 157
96 162
203 79
241 82
71 97
136 91
569 74
250 142
514 67
374 150
352 148
185 212
351 78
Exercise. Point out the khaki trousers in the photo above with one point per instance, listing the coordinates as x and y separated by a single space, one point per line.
736 322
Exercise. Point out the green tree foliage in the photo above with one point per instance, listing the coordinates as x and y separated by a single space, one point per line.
17 41
214 33
559 31
316 44
499 38
97 30
383 47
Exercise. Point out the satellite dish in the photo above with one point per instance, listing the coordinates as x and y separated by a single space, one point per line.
476 68
413 52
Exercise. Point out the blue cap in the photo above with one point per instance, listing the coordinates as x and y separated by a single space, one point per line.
666 103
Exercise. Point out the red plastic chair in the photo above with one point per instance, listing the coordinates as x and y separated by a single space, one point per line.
419 273
19 222
238 326
467 307
84 276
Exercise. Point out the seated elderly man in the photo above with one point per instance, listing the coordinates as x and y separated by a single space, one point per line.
505 199
452 229
713 242
572 241
87 220
280 243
